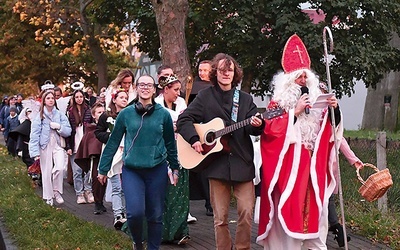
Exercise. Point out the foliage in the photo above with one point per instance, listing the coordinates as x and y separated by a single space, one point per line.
255 31
23 61
35 225
86 34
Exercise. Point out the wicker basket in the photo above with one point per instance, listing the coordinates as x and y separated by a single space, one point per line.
376 185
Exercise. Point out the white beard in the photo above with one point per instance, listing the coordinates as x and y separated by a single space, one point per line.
309 125
287 93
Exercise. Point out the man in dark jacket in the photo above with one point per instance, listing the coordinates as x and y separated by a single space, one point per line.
233 167
199 187
202 81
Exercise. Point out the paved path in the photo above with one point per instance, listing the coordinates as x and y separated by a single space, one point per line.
201 232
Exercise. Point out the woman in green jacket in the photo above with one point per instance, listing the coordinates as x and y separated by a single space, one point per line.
149 149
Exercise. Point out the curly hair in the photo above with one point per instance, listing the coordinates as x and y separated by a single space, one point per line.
226 63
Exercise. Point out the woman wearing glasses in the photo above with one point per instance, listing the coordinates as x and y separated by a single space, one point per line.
149 148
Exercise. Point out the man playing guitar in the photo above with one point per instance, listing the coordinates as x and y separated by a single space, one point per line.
233 169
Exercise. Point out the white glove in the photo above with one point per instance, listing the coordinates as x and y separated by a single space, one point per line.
55 125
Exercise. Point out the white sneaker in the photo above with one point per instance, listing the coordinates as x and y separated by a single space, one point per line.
59 198
80 199
89 196
119 221
49 202
191 219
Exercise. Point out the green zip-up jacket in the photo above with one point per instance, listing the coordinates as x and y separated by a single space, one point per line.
149 140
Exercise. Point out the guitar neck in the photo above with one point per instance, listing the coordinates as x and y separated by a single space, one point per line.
268 114
232 127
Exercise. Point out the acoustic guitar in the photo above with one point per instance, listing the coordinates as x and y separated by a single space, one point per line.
210 134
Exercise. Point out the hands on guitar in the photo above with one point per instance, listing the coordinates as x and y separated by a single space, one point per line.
210 133
255 121
197 147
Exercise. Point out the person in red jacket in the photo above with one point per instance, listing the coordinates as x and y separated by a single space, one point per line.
297 148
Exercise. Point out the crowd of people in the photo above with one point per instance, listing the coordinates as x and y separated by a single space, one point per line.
125 138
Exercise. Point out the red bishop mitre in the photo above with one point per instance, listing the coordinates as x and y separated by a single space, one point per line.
295 55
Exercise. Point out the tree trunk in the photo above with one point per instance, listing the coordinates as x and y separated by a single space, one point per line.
101 63
171 18
246 82
94 46
382 104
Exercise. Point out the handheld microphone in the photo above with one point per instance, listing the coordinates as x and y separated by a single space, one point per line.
304 90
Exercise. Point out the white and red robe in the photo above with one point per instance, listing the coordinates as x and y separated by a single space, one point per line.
296 185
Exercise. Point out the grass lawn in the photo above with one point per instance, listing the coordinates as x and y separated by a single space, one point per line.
362 216
35 225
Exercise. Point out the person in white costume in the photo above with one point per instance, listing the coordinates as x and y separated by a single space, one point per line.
44 145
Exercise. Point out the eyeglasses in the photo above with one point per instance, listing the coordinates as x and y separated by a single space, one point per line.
143 85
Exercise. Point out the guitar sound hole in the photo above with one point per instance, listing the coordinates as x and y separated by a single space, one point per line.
210 137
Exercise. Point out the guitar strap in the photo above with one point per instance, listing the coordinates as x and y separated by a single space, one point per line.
235 106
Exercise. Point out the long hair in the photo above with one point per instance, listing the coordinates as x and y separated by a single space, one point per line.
112 109
42 104
121 75
227 60
74 107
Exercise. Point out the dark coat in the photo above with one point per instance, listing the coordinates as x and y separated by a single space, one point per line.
236 165
89 148
198 85
23 130
87 119
102 126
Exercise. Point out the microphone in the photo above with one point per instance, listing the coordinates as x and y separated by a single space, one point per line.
304 90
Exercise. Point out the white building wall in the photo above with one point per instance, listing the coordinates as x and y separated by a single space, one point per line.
353 107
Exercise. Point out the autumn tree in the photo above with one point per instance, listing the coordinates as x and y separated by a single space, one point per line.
23 61
79 28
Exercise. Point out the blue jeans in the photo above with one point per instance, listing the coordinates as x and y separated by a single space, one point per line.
117 196
145 191
81 183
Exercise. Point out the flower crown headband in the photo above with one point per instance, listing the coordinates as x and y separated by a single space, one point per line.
116 92
164 81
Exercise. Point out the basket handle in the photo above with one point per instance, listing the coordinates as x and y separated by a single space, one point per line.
367 165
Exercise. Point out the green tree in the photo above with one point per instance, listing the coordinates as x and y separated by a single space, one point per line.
255 31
